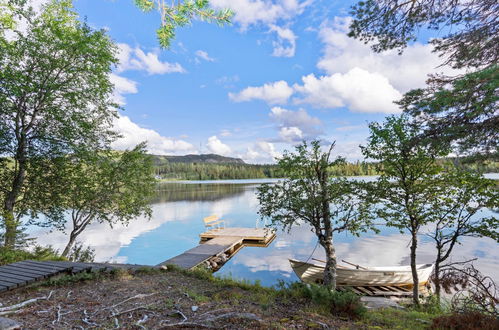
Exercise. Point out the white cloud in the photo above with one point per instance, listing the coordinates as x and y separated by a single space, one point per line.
122 86
291 134
225 132
404 72
218 147
261 152
133 134
268 13
136 59
358 89
252 12
298 119
285 46
204 55
273 93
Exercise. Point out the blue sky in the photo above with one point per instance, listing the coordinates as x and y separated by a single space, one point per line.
284 71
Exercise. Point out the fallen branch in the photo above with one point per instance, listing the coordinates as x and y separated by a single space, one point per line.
181 314
186 324
24 303
138 296
128 311
59 314
11 312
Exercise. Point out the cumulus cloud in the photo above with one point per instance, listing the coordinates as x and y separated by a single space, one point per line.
133 134
261 152
136 59
204 55
122 86
404 72
285 46
218 147
358 89
298 119
268 13
291 134
273 93
252 12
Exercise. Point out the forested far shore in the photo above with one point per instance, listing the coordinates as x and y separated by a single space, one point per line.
226 171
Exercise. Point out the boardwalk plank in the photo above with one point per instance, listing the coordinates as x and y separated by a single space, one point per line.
7 276
8 285
45 266
11 280
17 272
22 270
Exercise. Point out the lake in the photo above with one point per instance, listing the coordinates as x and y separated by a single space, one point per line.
178 210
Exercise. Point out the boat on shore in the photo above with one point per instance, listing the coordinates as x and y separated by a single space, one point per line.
363 276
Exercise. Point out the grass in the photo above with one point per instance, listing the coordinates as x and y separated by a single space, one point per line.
390 318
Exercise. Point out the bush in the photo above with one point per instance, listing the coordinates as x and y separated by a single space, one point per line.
340 303
8 256
465 321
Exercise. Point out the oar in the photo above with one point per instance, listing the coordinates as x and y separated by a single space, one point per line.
337 266
356 266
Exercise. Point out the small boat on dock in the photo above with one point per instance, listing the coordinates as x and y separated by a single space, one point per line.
400 276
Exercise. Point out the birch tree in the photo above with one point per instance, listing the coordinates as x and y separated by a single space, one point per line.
406 184
309 196
175 14
55 99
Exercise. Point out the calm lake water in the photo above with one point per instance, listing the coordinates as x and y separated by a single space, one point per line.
178 210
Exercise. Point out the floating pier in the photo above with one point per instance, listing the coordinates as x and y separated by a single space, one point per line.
217 246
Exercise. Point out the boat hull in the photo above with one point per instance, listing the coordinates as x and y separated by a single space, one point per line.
384 276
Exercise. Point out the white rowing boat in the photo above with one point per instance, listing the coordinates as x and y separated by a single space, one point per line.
367 276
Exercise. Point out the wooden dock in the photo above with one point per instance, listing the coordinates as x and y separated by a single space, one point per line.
22 273
378 291
217 246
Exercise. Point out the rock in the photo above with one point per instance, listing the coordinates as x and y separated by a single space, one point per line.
379 302
8 324
194 308
163 267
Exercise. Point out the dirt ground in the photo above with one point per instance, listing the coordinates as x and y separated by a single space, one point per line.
167 300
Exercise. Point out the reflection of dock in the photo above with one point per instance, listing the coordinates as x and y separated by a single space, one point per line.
219 245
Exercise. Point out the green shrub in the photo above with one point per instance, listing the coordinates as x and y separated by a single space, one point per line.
340 303
8 256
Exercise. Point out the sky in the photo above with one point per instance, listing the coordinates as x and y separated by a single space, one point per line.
283 72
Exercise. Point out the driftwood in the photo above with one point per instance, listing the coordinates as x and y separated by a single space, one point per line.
208 322
138 296
13 309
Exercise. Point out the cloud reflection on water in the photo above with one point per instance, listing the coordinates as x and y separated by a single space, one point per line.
177 220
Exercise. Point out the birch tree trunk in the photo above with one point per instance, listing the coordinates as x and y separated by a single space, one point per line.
415 278
330 267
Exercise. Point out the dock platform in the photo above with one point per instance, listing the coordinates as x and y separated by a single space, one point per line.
217 246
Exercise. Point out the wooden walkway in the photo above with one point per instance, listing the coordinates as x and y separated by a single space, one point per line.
219 245
24 272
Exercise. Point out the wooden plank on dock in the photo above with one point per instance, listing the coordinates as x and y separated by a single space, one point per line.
219 241
197 255
249 235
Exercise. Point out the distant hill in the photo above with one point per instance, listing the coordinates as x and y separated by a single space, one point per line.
205 158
